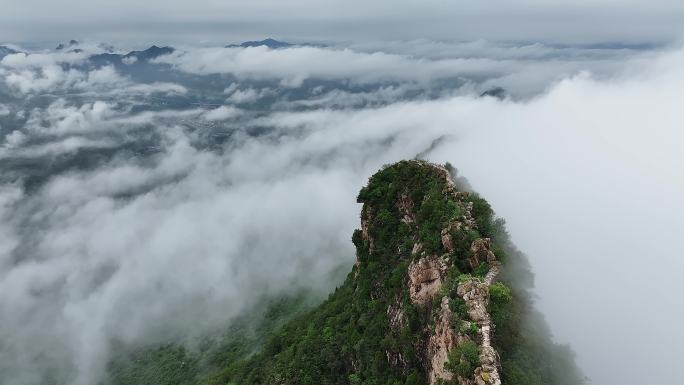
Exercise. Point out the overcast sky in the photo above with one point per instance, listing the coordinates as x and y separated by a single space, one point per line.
213 21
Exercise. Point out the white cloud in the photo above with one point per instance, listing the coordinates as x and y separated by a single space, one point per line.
45 78
14 139
232 229
62 118
525 69
37 72
104 75
22 60
222 113
62 127
297 64
57 147
498 50
248 95
129 60
344 99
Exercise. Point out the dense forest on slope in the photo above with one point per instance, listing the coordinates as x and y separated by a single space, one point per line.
401 315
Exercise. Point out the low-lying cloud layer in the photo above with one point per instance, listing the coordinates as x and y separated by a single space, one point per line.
131 217
526 69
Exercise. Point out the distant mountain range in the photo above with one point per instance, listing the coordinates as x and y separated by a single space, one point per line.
134 56
150 53
272 44
153 52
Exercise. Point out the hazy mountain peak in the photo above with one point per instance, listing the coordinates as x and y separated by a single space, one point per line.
4 51
150 53
71 43
495 92
268 42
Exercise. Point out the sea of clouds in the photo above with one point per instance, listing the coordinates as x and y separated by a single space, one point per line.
150 200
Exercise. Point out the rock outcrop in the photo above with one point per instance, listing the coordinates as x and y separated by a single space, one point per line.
366 218
440 343
425 278
475 293
405 206
480 252
396 315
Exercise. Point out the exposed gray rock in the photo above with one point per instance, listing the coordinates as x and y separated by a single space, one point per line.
442 340
425 278
396 316
405 206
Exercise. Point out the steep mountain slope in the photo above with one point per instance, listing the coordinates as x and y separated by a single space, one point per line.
423 304
437 296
